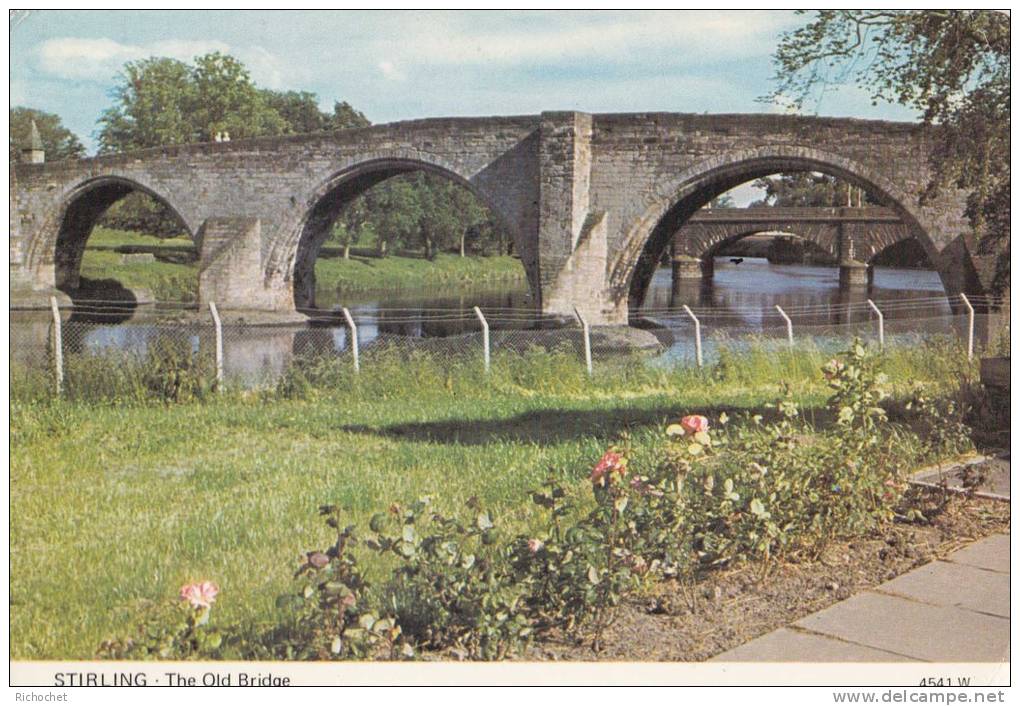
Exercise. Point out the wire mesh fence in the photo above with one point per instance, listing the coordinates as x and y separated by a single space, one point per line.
111 344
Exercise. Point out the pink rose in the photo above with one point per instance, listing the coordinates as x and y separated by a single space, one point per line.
534 545
318 560
611 462
199 595
693 423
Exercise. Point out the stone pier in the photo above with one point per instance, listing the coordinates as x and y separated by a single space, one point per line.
591 201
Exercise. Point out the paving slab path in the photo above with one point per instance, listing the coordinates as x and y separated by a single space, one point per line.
951 610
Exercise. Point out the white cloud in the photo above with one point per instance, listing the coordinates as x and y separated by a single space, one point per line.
99 60
390 71
593 35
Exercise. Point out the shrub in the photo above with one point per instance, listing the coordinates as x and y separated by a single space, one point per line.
331 614
578 575
713 493
453 589
178 631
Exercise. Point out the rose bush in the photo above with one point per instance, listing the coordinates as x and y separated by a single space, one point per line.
712 493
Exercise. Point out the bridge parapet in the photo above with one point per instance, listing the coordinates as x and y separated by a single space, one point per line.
592 201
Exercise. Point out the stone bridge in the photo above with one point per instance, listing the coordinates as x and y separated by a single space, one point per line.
844 233
592 201
850 236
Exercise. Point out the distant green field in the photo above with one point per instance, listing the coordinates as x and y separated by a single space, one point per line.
174 274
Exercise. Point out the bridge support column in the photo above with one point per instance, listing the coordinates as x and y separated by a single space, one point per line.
572 240
232 273
687 268
854 275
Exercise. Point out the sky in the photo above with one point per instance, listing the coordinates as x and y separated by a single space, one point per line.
397 65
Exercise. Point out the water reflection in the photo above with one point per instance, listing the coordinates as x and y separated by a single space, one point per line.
745 295
739 300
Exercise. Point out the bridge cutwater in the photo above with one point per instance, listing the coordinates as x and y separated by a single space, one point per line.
592 201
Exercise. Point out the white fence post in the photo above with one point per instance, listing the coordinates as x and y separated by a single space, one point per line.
697 334
970 326
789 324
881 325
586 332
485 336
354 338
219 345
58 346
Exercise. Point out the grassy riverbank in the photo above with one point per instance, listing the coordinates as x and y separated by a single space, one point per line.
173 275
115 505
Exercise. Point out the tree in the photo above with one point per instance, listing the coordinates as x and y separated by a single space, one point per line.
160 101
58 142
951 66
299 110
154 104
810 189
345 116
229 102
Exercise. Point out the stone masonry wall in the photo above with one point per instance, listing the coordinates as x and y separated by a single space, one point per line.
546 176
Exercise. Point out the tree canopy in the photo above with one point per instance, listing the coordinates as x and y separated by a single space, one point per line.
951 66
160 101
59 142
810 189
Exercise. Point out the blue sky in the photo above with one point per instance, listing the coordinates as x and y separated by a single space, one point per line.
396 65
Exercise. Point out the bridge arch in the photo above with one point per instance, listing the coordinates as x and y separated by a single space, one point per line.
677 199
58 249
710 239
292 257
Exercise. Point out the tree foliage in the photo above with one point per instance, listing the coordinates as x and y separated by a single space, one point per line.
58 142
810 189
951 66
420 212
160 101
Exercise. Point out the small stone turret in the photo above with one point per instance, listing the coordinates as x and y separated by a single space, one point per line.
33 152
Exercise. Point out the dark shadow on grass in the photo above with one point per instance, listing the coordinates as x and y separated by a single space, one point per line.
553 426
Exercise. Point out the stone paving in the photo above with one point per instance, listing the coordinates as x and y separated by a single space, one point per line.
995 470
951 610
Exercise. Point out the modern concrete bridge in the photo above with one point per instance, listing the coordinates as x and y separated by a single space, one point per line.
592 201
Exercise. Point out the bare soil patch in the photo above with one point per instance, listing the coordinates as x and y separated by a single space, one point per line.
694 621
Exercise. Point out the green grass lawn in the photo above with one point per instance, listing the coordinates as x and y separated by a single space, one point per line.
115 505
174 274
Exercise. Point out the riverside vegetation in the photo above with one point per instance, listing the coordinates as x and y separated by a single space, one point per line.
173 277
459 515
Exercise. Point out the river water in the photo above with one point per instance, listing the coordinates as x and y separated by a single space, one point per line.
741 299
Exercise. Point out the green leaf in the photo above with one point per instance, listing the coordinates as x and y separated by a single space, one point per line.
377 522
757 508
593 576
336 645
408 533
366 621
288 600
483 522
703 438
694 449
